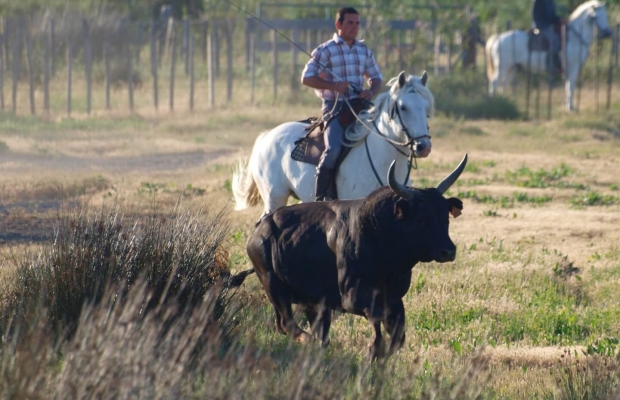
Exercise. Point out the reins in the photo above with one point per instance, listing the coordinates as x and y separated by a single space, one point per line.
411 162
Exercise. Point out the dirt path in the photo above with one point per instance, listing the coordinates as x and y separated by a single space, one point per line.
31 220
15 162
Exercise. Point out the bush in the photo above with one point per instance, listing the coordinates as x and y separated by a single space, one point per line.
464 95
179 256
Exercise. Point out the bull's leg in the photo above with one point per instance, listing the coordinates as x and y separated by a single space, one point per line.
279 322
280 296
320 319
376 345
395 326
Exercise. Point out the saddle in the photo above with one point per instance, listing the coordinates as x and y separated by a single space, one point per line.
537 42
309 148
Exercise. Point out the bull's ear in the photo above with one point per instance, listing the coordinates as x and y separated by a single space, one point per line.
399 209
455 205
424 78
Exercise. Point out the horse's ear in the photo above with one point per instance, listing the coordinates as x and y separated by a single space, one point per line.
424 78
402 79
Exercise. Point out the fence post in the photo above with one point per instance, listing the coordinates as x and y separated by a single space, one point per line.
154 62
613 64
294 55
274 57
215 34
252 65
538 80
185 44
16 64
205 28
88 60
190 50
106 60
173 38
610 70
436 52
579 80
529 83
69 73
514 57
53 46
399 43
46 74
210 65
230 25
129 56
596 69
26 34
2 63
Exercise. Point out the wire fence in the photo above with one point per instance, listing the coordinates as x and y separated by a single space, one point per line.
78 63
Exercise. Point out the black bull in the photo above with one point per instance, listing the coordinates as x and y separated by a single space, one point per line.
354 256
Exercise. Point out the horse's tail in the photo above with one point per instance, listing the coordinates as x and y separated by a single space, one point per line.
244 187
488 51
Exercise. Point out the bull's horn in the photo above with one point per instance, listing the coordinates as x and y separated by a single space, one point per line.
397 187
450 179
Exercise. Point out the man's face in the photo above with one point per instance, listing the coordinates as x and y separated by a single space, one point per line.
349 27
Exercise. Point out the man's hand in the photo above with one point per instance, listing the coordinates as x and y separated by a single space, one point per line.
340 87
366 94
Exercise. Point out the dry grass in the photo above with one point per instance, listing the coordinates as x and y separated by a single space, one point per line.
507 251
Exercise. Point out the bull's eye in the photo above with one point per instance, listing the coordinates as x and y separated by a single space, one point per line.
403 108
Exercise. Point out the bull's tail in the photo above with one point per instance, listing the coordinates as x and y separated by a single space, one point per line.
488 51
244 187
238 279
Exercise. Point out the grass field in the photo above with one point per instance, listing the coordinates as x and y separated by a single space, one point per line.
532 291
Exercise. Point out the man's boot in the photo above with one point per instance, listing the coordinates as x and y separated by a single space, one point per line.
554 64
324 177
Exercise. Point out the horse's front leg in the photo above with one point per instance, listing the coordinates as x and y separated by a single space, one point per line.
569 88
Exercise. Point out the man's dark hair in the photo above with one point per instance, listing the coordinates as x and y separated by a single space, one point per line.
344 11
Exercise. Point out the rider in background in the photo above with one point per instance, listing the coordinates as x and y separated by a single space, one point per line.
336 71
545 18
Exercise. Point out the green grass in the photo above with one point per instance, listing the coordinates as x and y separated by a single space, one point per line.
541 178
593 198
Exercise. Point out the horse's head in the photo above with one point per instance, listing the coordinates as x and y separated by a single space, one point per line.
598 14
593 13
412 105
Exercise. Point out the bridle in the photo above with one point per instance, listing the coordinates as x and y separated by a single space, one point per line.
578 34
412 159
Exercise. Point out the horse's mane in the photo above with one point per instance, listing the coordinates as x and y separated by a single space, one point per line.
582 7
358 132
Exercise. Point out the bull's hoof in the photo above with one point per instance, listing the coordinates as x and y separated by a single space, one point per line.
303 337
376 352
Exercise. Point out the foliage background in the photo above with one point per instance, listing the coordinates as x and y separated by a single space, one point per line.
500 12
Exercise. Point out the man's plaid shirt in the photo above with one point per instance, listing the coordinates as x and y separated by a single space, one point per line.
335 58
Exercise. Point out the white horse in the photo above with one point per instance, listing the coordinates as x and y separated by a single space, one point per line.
395 127
508 50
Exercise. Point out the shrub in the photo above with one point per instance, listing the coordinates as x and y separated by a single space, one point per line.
180 256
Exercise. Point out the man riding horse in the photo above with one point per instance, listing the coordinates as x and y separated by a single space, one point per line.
336 71
545 19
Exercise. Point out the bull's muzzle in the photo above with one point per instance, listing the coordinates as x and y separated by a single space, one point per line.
446 255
